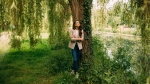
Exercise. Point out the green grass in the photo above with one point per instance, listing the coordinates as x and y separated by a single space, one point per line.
41 65
29 66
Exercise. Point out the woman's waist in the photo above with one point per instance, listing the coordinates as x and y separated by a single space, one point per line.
76 41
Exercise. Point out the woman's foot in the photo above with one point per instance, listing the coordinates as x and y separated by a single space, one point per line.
77 75
72 72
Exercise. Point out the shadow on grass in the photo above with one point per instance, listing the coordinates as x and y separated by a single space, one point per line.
33 66
25 67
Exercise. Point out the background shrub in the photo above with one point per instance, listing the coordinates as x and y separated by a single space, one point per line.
60 61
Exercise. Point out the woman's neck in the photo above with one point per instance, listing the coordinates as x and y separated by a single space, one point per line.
77 28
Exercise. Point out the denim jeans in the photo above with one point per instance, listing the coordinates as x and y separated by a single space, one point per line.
76 54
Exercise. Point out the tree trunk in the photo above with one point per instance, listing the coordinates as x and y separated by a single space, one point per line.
81 10
77 9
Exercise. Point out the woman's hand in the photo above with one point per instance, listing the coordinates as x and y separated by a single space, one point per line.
80 39
71 36
73 39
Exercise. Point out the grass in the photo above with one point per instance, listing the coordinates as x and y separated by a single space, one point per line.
121 29
40 65
28 66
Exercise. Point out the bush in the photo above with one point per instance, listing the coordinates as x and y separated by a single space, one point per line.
109 71
104 70
1 78
16 43
67 78
60 61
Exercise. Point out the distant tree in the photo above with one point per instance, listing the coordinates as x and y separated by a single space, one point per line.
141 10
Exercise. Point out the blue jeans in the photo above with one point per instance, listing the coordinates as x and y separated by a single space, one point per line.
76 54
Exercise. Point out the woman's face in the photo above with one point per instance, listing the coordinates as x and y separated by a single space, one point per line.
77 23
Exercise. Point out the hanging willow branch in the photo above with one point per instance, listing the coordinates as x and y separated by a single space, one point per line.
2 13
142 14
20 17
58 16
34 21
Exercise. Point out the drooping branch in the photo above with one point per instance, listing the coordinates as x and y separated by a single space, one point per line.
58 16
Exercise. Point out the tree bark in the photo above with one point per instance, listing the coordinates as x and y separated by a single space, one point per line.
76 9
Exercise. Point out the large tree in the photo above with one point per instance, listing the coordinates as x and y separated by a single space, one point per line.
143 18
27 15
77 9
81 10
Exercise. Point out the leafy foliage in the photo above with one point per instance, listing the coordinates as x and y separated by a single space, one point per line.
58 16
106 70
142 10
67 78
60 61
16 43
34 20
88 56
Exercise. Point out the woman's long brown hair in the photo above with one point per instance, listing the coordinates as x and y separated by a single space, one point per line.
80 27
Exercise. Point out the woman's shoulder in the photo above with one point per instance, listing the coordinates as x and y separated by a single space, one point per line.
71 29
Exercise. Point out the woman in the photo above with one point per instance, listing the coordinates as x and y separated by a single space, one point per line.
76 36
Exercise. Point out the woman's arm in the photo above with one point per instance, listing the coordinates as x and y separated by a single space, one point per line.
81 38
71 34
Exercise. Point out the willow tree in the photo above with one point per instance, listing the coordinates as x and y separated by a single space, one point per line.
58 17
138 12
4 13
28 14
33 20
59 14
141 8
25 14
1 12
102 13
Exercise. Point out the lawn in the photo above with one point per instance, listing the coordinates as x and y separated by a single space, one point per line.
29 66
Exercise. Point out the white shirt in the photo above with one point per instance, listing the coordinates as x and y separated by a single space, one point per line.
76 33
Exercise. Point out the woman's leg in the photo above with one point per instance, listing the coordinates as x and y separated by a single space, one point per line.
75 53
79 53
75 58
